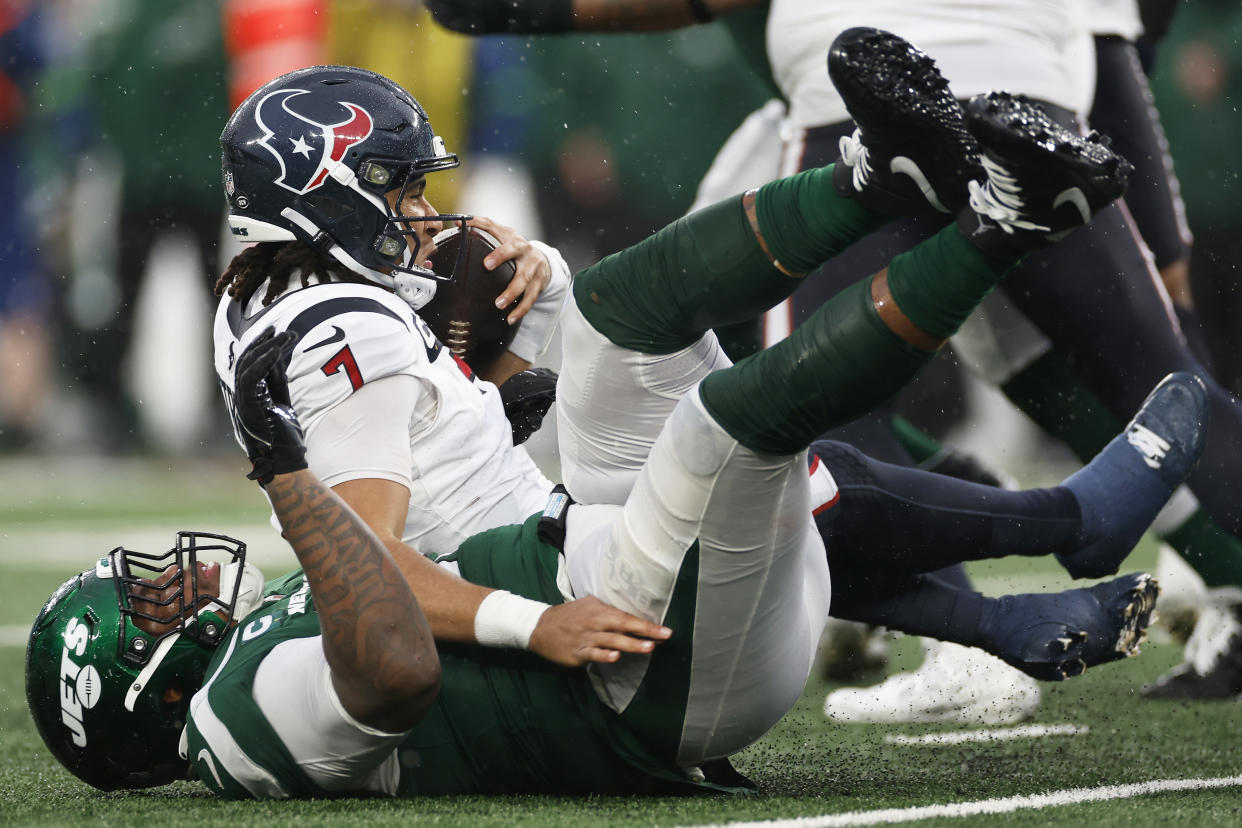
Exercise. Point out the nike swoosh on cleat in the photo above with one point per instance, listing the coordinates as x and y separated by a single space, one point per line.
335 337
1074 196
901 165
205 756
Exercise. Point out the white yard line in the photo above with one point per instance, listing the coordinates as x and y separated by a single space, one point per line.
1004 734
1007 805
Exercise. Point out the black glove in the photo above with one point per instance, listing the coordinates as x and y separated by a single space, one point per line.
265 418
527 396
503 16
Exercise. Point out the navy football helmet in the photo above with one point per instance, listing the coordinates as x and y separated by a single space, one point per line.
110 693
310 156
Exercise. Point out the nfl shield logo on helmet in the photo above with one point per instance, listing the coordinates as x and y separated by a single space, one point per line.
308 145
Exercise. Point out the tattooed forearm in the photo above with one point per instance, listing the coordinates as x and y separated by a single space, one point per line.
375 636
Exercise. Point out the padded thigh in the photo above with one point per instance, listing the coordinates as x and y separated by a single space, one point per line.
612 403
760 587
1097 295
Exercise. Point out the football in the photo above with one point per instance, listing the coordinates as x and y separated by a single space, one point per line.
463 315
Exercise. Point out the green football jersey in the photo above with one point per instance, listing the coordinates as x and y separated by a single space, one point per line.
505 721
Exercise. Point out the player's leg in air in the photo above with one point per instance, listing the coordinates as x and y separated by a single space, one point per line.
891 527
715 537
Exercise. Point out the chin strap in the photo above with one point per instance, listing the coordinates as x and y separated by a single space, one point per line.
148 670
250 592
416 290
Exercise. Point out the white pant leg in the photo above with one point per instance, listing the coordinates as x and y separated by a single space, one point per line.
763 586
611 403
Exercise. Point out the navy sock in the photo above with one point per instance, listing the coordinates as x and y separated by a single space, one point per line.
922 605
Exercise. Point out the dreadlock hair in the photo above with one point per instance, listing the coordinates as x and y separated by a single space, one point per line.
277 261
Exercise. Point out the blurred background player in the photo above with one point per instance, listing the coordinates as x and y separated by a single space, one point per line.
158 170
25 292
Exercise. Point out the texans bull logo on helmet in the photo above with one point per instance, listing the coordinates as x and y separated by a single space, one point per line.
307 145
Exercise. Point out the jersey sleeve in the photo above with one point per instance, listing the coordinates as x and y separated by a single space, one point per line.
366 435
293 688
229 740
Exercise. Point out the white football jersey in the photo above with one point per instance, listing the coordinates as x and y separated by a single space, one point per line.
1115 17
1034 47
466 475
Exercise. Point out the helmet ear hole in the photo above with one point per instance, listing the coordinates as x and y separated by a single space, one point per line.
333 209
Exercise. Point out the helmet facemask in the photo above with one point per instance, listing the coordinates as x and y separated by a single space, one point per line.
414 282
182 611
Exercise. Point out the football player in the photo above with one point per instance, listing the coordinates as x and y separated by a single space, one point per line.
1100 345
1086 353
714 548
326 170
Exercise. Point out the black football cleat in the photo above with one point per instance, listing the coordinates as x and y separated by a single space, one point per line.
1054 636
1213 666
911 153
1042 181
1125 486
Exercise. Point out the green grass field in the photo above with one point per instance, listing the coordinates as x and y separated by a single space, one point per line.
56 517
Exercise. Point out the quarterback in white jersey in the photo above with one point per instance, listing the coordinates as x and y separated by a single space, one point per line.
326 169
380 397
330 179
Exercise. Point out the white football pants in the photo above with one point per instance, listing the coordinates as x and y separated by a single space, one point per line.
632 427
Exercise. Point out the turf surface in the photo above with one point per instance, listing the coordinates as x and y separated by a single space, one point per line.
50 525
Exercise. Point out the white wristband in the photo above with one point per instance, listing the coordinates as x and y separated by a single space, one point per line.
507 620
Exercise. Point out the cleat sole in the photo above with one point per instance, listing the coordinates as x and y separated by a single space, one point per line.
893 90
1022 134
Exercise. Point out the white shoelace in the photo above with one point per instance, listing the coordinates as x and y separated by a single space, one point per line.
854 155
1000 199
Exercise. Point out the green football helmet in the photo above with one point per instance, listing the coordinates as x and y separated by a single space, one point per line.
109 699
